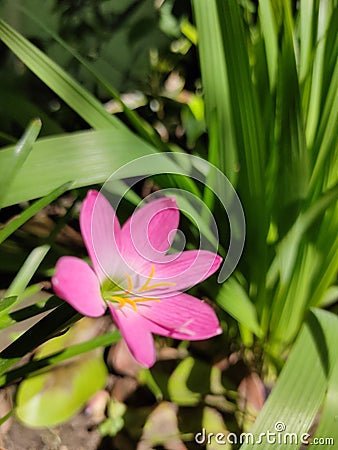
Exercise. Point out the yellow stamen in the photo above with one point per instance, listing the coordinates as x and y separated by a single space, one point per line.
146 286
133 303
130 287
124 298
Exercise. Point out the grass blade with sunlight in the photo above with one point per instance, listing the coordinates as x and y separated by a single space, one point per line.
19 155
300 391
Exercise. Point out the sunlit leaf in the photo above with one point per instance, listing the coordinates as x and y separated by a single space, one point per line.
19 155
6 303
57 320
189 380
234 300
85 158
44 400
28 213
77 97
300 391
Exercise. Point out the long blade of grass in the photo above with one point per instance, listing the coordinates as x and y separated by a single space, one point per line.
291 300
28 213
250 140
299 393
140 125
27 271
36 366
293 164
8 319
216 87
85 158
270 34
78 98
6 417
328 266
315 94
58 320
233 299
327 431
22 150
308 15
244 102
285 258
6 304
306 267
326 139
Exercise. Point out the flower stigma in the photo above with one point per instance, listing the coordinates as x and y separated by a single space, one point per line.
112 292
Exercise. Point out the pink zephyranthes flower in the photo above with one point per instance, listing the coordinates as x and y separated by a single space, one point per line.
135 278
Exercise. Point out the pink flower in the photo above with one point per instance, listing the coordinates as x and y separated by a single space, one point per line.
135 278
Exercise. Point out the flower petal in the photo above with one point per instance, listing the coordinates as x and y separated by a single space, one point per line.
181 317
101 231
177 274
135 331
149 232
75 281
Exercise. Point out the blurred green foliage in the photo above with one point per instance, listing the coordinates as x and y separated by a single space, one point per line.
259 101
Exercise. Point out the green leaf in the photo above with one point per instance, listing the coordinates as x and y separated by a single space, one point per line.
324 12
328 270
292 174
287 250
325 140
145 377
297 398
37 365
85 158
44 399
18 157
213 422
235 301
251 141
270 35
27 271
28 213
6 417
185 386
115 422
11 318
78 98
308 17
140 125
57 320
216 86
305 270
244 102
327 428
6 303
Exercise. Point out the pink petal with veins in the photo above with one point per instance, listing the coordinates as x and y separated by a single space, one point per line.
181 317
101 231
149 232
76 282
186 270
135 331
